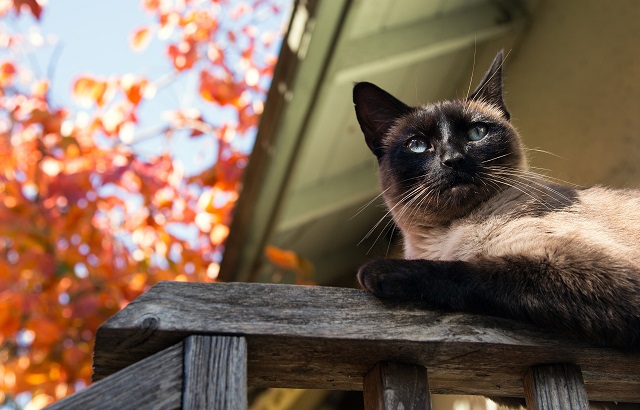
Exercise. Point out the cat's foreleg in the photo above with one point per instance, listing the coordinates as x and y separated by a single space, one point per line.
591 299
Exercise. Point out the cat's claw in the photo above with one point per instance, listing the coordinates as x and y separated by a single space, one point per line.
380 278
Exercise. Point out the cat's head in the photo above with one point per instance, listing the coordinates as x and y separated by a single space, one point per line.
441 159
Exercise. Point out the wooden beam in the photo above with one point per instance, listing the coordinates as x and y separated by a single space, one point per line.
215 373
282 127
366 56
154 383
330 338
391 386
552 387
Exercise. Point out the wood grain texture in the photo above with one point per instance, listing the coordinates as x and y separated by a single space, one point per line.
391 386
154 383
555 387
330 338
215 373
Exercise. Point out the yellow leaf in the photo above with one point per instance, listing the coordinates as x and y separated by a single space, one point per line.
89 90
219 233
140 38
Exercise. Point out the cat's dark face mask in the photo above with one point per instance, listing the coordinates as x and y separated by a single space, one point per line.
443 158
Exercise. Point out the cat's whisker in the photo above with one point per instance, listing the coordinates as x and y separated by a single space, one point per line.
533 178
540 168
419 191
418 194
368 234
393 230
473 67
365 206
495 158
521 182
426 194
559 195
493 74
390 221
514 184
532 173
411 195
544 152
388 213
549 191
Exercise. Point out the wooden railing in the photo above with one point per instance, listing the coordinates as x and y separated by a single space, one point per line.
198 346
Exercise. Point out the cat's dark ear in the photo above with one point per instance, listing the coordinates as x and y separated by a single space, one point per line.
490 88
377 111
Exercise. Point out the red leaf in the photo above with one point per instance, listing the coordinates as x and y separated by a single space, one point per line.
196 133
184 55
9 320
133 88
31 5
46 331
7 72
221 91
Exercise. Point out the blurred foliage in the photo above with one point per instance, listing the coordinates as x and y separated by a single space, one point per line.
87 224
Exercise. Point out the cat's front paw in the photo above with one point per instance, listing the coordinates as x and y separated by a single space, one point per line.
382 278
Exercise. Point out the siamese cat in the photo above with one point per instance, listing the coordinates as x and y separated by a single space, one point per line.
484 234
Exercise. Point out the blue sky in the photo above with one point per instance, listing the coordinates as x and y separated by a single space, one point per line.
94 36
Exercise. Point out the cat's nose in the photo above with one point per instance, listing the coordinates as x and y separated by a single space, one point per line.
452 159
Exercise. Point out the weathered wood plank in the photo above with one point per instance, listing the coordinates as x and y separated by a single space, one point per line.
215 373
152 383
550 387
329 338
391 386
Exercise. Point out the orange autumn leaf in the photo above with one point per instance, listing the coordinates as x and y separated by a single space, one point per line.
218 234
9 322
41 400
134 88
183 55
50 121
220 91
39 89
151 5
89 90
206 201
282 258
229 172
289 260
140 39
36 379
7 72
74 355
46 331
202 25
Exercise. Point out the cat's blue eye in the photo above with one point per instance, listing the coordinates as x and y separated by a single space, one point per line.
477 131
417 145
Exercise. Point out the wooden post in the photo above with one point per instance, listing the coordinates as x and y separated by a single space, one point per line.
555 387
396 386
154 383
215 373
